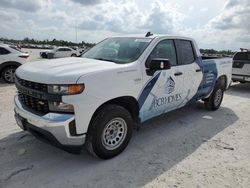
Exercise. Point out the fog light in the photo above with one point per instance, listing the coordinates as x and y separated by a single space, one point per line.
61 107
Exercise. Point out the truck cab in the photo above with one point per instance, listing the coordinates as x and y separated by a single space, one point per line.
121 82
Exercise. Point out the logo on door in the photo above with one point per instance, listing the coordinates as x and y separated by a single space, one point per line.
169 85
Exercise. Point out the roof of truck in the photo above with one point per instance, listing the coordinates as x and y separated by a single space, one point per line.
155 36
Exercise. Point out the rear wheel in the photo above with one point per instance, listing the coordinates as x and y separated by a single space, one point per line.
8 74
110 132
215 99
73 55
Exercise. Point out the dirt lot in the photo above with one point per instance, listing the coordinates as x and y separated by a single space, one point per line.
34 53
190 147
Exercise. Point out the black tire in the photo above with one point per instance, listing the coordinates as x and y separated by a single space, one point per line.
100 122
8 74
214 101
73 55
44 55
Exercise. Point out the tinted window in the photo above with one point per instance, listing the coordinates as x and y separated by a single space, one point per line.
67 49
60 49
3 51
186 51
165 50
242 56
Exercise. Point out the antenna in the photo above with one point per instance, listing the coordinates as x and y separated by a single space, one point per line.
149 34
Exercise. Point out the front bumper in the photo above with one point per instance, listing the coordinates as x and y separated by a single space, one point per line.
51 127
241 78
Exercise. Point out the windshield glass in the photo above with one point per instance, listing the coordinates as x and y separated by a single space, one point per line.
15 48
118 50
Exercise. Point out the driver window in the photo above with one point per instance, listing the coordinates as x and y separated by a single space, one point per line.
165 50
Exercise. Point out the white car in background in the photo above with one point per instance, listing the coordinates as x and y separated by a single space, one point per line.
60 52
11 58
241 66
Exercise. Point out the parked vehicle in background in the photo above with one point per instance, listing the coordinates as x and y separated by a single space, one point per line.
11 58
120 82
60 52
241 66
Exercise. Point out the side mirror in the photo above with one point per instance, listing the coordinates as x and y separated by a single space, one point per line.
158 64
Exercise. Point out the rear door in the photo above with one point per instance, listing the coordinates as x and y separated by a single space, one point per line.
67 52
190 71
4 55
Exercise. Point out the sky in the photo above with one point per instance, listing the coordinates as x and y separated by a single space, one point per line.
218 24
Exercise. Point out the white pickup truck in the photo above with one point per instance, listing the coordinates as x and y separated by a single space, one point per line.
241 66
98 99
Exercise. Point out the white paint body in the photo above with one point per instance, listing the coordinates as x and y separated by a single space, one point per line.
241 69
105 81
13 56
61 52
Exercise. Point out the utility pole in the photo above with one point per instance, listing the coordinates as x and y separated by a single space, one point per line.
76 30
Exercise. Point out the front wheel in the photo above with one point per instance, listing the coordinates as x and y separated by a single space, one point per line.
110 132
214 101
8 74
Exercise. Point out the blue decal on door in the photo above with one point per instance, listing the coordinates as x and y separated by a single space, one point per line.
147 89
169 85
210 74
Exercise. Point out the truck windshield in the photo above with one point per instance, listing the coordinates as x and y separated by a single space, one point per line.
118 50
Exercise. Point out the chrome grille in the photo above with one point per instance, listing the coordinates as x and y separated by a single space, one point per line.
35 104
32 85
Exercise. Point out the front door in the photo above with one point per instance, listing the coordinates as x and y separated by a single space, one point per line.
163 91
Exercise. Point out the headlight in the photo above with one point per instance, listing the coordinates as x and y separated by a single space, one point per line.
66 89
61 107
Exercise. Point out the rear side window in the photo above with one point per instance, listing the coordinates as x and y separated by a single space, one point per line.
242 56
186 51
60 49
3 51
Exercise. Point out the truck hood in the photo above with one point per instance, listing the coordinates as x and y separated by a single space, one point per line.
63 70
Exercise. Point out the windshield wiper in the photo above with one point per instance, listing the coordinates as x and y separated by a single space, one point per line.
102 59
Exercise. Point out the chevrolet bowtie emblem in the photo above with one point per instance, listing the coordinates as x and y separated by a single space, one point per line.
41 102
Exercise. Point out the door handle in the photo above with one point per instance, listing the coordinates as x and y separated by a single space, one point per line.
178 73
198 70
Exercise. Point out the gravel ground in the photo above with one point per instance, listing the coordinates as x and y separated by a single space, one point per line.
190 147
34 53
